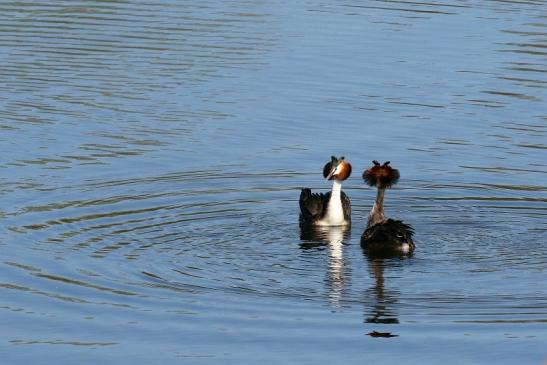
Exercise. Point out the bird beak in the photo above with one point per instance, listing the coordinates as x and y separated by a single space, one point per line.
332 172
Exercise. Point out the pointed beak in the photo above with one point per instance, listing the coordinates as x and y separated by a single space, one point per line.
329 176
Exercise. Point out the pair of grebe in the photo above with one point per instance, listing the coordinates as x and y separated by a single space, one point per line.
381 236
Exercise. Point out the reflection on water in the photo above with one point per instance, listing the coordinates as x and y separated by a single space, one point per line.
380 303
338 271
152 153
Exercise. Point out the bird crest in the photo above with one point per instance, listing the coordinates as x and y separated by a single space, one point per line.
381 175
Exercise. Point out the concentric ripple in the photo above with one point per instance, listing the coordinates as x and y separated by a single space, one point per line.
153 152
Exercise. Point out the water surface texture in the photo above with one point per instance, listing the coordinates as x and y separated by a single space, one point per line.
151 156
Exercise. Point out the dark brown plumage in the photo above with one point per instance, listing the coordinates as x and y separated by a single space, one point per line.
385 236
388 237
381 175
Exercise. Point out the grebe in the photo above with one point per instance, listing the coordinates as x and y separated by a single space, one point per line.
332 208
385 236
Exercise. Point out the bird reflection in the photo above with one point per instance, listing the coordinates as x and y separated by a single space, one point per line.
333 238
380 304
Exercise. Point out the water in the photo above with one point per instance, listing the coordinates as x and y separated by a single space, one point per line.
152 155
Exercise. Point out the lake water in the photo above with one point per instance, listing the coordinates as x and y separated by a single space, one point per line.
151 156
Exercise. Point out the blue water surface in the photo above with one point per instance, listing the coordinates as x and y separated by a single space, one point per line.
151 156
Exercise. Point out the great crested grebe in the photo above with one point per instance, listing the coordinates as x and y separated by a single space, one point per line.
332 208
385 236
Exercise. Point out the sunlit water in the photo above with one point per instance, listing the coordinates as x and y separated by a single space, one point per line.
152 155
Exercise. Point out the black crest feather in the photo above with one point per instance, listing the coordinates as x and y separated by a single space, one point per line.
383 176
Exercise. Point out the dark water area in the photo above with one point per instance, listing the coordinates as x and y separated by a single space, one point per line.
151 156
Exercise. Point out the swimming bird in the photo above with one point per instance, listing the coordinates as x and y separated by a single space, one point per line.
385 236
332 208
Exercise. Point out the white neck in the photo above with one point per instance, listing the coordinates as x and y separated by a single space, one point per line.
336 189
335 212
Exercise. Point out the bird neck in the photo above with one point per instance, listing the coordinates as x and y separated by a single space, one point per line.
336 189
335 211
377 212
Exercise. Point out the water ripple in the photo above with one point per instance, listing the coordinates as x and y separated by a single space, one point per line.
153 152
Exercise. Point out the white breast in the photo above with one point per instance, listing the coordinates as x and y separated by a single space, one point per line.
335 212
405 248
